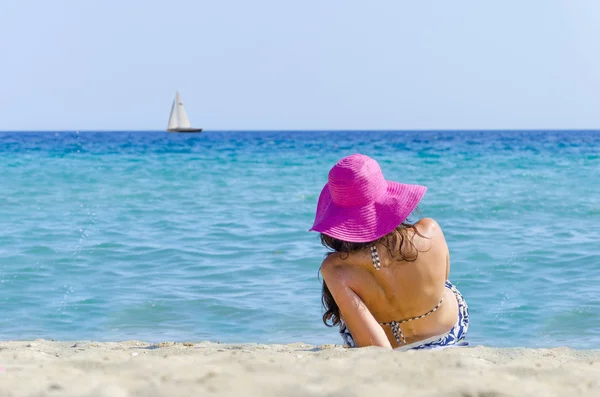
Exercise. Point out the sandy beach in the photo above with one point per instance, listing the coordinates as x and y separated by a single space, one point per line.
133 368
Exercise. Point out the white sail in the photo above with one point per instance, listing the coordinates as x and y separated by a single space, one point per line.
178 119
182 118
172 118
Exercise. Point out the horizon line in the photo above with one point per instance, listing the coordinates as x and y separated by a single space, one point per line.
325 130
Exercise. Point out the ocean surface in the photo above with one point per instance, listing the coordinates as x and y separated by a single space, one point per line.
156 236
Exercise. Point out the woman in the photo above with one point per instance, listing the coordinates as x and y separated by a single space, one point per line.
386 281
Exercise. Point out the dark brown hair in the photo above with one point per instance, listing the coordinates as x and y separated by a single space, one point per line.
398 244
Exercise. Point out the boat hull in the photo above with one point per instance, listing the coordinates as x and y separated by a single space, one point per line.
185 130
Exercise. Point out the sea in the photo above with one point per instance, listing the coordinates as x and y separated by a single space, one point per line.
145 235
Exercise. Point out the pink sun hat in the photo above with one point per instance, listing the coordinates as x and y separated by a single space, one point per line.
358 205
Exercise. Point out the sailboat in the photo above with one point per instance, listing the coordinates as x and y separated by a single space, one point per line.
178 120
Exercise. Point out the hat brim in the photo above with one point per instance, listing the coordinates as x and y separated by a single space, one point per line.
369 222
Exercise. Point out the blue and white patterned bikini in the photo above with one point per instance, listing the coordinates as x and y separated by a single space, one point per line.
453 338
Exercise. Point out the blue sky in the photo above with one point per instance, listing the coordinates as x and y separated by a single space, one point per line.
312 64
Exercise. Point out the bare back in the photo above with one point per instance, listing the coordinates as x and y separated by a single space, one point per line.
400 289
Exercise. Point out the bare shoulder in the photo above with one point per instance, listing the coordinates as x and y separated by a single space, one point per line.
329 264
431 235
429 227
334 268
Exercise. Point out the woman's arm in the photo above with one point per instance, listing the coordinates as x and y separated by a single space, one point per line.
365 330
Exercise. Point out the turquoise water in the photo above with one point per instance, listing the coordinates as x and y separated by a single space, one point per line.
155 236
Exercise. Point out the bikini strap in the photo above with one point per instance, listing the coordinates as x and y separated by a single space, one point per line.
375 258
395 325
